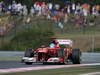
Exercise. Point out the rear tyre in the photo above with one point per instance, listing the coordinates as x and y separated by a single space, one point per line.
76 53
29 53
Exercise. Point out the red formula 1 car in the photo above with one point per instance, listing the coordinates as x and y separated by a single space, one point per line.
57 55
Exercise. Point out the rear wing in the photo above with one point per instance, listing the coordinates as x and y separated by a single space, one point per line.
66 42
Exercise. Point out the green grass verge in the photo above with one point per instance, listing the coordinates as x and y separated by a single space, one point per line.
10 59
39 31
62 71
79 35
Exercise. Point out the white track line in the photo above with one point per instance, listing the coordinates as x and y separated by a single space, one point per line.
93 73
43 68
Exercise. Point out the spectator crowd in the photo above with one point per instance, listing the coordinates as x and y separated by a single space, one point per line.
54 12
14 8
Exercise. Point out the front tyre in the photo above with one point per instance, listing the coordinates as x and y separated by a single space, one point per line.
29 53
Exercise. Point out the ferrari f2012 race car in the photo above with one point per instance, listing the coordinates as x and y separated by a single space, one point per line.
60 52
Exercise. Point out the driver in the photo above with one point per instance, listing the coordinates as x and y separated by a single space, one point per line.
54 44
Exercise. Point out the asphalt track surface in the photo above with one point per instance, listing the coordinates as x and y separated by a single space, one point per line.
87 58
